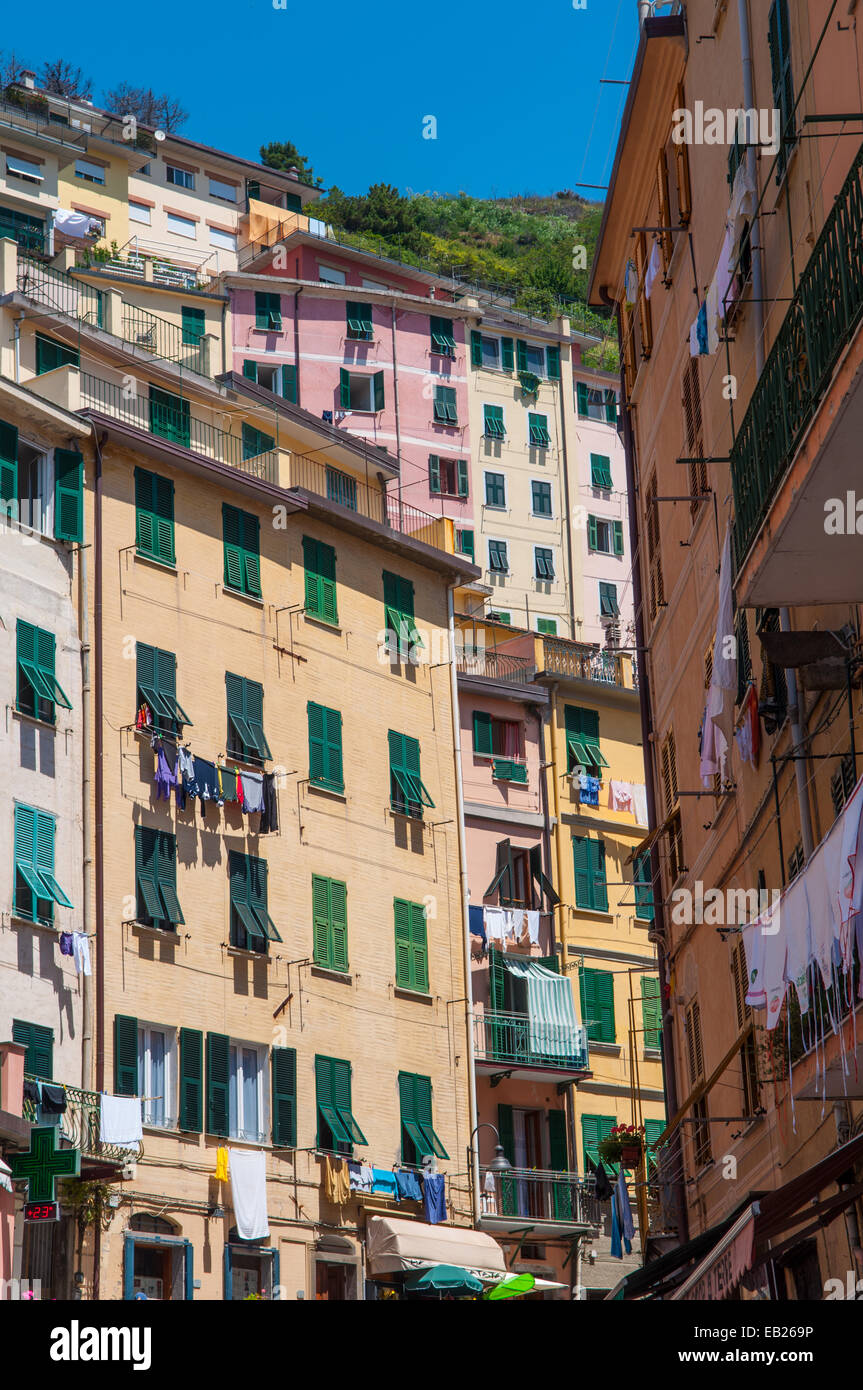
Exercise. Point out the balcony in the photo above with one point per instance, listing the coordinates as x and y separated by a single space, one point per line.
549 1204
147 269
58 290
496 666
576 661
79 1126
782 484
529 1049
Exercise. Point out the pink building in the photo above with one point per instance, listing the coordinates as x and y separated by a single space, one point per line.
375 347
14 1137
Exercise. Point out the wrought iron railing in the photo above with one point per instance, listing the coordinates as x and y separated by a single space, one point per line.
821 319
581 662
30 239
163 339
525 1041
56 289
496 666
80 1124
134 267
531 1194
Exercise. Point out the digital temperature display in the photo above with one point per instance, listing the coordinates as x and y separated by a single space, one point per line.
42 1211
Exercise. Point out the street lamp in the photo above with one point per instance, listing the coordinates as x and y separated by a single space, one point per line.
500 1163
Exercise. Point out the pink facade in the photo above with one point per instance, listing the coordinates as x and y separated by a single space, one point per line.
12 1057
314 338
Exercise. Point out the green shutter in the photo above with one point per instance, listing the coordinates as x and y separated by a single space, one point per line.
592 533
599 888
482 732
8 468
461 477
194 324
268 311
419 949
250 370
597 1004
154 516
581 865
321 921
36 674
50 355
552 359
284 1075
600 471
39 1042
402 912
497 975
593 1129
320 580
330 923
557 1149
339 924
289 382
248 933
643 880
170 416
611 407
651 1011
191 1080
583 399
521 355
344 388
245 702
617 535
379 390
325 747
242 550
125 1055
68 496
434 473
411 939
475 348
218 1079
506 354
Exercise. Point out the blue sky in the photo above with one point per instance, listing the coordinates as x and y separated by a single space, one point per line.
514 87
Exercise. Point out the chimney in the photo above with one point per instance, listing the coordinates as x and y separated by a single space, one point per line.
28 79
293 172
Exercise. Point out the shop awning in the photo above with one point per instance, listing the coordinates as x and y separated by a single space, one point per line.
726 1264
554 1028
395 1247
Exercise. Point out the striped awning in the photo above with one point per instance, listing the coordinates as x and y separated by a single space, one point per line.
554 1029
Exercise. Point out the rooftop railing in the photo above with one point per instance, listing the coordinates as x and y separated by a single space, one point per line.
59 290
582 663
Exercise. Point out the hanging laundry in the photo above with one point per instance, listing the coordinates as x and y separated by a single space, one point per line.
33 1091
434 1197
639 803
514 921
624 1212
698 334
253 791
616 1244
495 923
355 1173
747 735
630 284
620 796
408 1185
270 814
186 769
53 1099
165 779
476 924
602 1187
120 1120
337 1187
753 946
221 1173
249 1193
205 779
81 952
366 1177
533 927
653 268
798 953
239 781
384 1181
488 1196
590 796
144 719
744 199
65 943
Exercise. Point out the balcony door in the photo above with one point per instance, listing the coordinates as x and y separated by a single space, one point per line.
527 1132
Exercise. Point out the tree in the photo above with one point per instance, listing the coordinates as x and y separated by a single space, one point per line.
11 68
157 110
63 80
284 155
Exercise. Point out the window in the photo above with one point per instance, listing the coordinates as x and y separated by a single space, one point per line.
268 310
330 275
412 952
543 562
593 1129
547 626
582 739
445 409
181 226
593 403
88 171
39 1042
486 351
654 555
359 317
246 739
399 610
27 231
493 426
590 881
181 178
604 535
597 1005
408 794
540 494
139 212
341 488
157 686
255 442
600 471
154 516
448 476
701 1129
532 359
38 688
170 418
796 861
691 403
497 557
37 494
247 1093
495 490
608 607
50 354
496 738
442 340
227 192
242 545
36 890
669 772
157 904
194 326
330 922
519 880
325 747
338 1131
281 380
156 1073
749 1050
319 561
418 1136
537 430
497 617
464 542
283 1065
643 880
842 782
252 927
651 1011
361 392
26 169
224 241
779 39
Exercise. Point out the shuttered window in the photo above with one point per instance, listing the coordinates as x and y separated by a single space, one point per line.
194 326
255 442
608 605
418 1135
8 469
543 562
68 496
448 476
218 1084
330 922
246 738
268 310
493 426
537 426
319 561
588 857
552 362
241 533
325 747
594 1128
651 1011
412 965
156 878
408 794
597 1004
540 493
669 772
191 1117
495 490
359 320
252 927
283 1067
36 890
39 1042
170 417
157 686
779 40
50 355
125 1055
582 739
38 688
643 878
289 382
442 340
445 408
464 542
154 516
337 1129
498 560
600 471
399 610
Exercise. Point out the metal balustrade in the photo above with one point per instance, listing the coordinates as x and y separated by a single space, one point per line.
532 1194
56 289
80 1124
162 338
526 1042
496 666
582 663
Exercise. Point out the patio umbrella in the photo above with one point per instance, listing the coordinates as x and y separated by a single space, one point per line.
444 1279
511 1288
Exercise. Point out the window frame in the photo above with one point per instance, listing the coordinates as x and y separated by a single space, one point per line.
236 1066
543 560
146 1086
495 487
38 672
186 179
502 549
445 406
541 483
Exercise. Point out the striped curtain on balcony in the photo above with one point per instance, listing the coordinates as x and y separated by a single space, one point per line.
554 1030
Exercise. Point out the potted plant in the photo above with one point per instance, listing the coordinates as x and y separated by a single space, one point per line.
624 1145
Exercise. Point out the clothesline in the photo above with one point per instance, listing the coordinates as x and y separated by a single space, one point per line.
188 775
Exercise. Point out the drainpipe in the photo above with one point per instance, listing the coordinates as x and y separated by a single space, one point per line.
86 817
297 293
473 1142
565 462
98 714
398 428
18 349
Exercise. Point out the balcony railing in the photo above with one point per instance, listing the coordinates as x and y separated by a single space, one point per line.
162 338
496 666
582 663
530 1194
821 319
522 1041
135 267
56 289
80 1125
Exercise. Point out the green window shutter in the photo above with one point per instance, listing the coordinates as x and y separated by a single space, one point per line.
320 579
597 1004
521 355
582 398
617 534
38 689
191 1080
557 1148
592 533
643 880
581 864
651 1011
8 467
149 903
465 542
125 1055
289 382
419 949
268 312
68 496
475 348
611 407
379 390
497 974
593 1129
242 545
218 1083
461 477
283 1065
402 912
538 430
481 732
344 388
154 516
325 747
293 202
50 355
194 324
250 370
247 932
257 880
39 1042
423 1111
166 870
339 924
506 354
321 921
600 890
442 339
506 1131
233 554
552 359
434 473
170 416
600 471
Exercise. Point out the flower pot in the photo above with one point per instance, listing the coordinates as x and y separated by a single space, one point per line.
630 1156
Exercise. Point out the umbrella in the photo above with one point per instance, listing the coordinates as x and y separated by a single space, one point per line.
443 1279
511 1288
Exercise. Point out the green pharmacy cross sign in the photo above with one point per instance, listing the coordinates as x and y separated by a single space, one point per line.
44 1163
